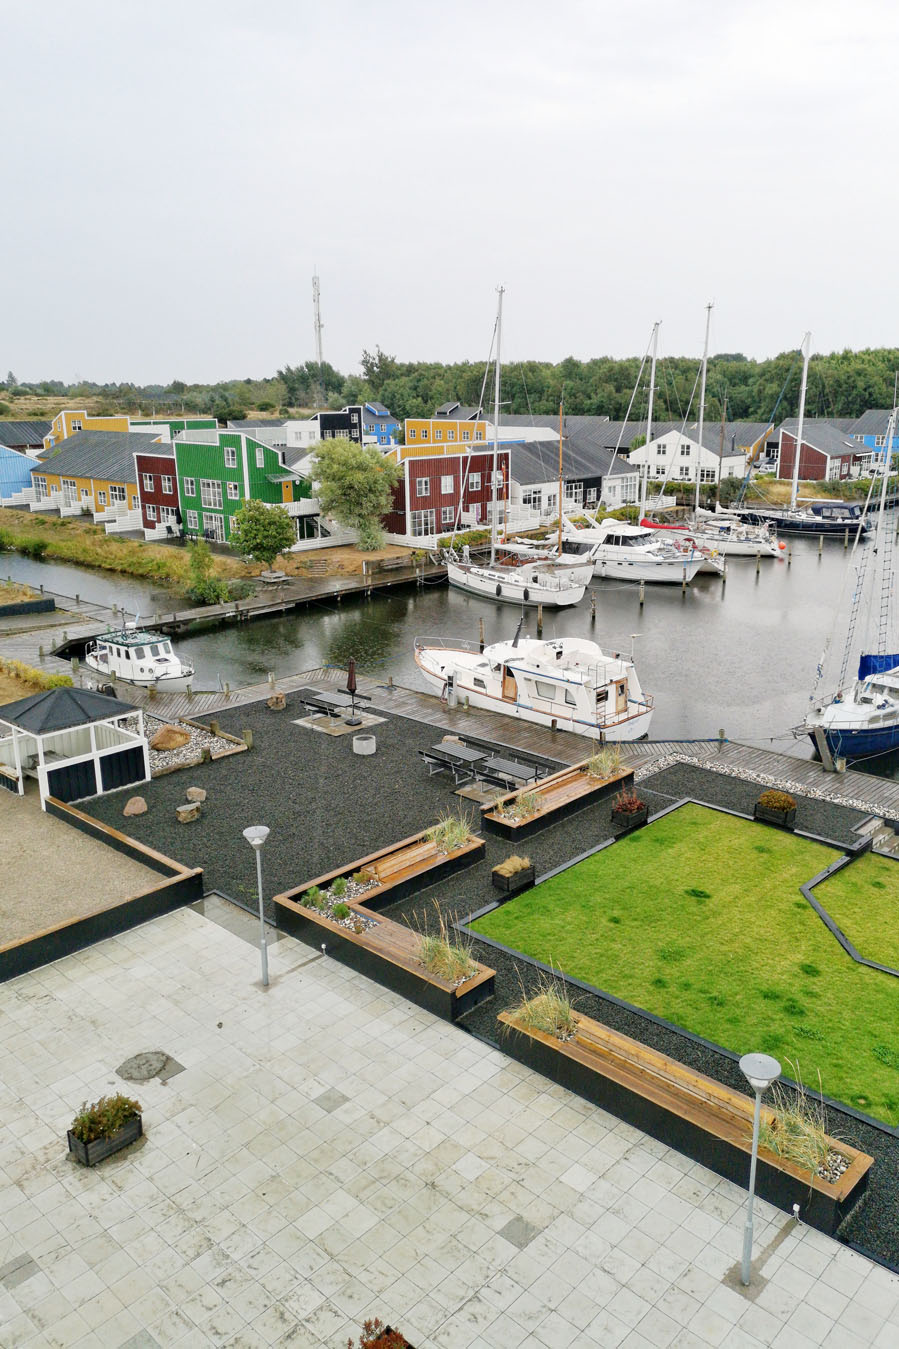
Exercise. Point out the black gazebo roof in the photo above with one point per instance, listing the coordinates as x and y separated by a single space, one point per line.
60 709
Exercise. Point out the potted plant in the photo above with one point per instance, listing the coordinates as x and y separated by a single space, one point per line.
375 1335
629 811
775 807
103 1128
515 873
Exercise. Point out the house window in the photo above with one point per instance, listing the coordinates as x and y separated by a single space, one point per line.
531 499
233 491
168 514
422 486
424 522
85 494
190 487
230 457
151 512
354 416
135 501
451 435
41 486
685 451
215 526
116 492
148 482
412 433
446 515
466 435
76 424
210 493
685 471
446 484
260 456
660 450
879 441
474 482
383 426
167 484
192 520
706 475
479 435
101 497
438 435
591 496
424 433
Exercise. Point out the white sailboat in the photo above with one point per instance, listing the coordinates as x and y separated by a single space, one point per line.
519 581
862 718
569 683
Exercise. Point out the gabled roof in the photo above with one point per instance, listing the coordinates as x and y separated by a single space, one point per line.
379 410
164 449
823 436
60 709
98 454
257 422
538 460
458 412
15 434
874 422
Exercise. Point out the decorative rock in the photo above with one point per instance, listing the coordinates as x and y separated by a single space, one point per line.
276 702
170 737
135 805
196 793
187 814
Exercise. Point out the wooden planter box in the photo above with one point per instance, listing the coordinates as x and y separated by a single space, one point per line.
89 1154
688 1111
388 953
625 820
561 795
510 885
785 818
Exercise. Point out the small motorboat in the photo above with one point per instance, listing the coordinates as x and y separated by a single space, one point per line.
138 657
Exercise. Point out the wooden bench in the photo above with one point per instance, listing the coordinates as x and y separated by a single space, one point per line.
394 563
691 1112
389 867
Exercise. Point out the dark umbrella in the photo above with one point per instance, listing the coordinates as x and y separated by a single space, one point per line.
352 720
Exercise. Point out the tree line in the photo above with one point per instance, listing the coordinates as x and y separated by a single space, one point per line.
841 384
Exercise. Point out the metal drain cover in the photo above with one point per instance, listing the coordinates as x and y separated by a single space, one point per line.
152 1063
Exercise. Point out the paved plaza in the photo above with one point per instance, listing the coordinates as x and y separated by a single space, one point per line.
330 1152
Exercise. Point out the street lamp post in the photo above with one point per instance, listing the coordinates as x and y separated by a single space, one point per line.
256 835
760 1070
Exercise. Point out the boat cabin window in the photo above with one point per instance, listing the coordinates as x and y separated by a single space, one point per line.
570 698
602 695
139 653
479 683
545 690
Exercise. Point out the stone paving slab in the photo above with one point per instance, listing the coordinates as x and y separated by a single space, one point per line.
330 1152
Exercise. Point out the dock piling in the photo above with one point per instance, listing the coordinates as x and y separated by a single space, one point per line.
592 606
540 619
820 544
642 593
790 555
683 583
845 539
480 634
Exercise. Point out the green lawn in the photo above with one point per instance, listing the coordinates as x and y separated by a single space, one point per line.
863 900
699 919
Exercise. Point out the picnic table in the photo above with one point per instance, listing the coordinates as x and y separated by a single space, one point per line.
463 761
332 702
508 772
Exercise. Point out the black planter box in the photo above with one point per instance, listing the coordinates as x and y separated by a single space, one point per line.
510 885
89 1154
515 829
625 820
819 1206
784 818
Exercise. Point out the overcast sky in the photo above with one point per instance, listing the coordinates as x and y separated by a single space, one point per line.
174 172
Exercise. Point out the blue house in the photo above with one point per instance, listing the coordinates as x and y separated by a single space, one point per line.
15 472
870 430
378 425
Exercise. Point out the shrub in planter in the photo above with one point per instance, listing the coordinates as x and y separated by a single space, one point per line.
449 833
106 1126
375 1335
549 1011
513 874
629 809
513 865
775 800
339 887
313 897
605 763
524 806
340 911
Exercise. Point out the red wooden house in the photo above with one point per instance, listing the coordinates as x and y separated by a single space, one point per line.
426 501
827 454
157 488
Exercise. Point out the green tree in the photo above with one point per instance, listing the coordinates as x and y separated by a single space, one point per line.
261 532
205 586
355 485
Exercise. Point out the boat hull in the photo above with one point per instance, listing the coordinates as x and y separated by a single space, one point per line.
166 684
787 525
641 569
859 744
510 590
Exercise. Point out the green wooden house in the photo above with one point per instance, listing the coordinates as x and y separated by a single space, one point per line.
218 470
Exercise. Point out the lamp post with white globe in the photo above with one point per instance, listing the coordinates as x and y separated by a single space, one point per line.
760 1070
256 835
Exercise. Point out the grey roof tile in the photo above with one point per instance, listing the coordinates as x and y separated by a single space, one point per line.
99 454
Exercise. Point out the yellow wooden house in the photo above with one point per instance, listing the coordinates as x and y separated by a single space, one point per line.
92 469
69 423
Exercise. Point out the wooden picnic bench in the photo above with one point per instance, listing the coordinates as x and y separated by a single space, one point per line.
392 867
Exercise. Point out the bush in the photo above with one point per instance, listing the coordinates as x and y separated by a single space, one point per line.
32 547
339 887
628 803
605 763
375 1335
240 589
313 897
549 1011
204 586
5 409
36 678
775 800
449 833
445 959
340 911
512 865
524 806
104 1118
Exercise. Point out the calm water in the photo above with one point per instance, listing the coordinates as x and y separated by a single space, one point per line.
740 656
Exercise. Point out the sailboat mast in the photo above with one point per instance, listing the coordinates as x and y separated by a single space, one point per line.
560 478
499 337
652 389
705 368
794 489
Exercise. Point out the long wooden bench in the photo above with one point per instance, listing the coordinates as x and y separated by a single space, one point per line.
688 1110
390 867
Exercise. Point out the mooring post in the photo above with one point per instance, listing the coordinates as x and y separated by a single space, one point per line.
683 584
758 563
40 653
820 544
480 634
592 606
845 539
642 593
271 678
790 555
540 619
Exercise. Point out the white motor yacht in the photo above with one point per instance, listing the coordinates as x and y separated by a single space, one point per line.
568 683
626 552
138 657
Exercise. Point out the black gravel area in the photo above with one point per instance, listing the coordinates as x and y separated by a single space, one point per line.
326 807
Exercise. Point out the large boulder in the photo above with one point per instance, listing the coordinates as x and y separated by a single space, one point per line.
135 805
196 794
170 737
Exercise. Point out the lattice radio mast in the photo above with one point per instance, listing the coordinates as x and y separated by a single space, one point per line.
317 323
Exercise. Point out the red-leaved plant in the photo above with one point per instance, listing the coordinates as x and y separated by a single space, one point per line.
628 803
375 1335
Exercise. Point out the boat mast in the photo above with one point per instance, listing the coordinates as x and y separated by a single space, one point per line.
559 548
705 368
794 489
499 334
652 389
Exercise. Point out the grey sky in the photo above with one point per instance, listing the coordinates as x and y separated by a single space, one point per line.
174 171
